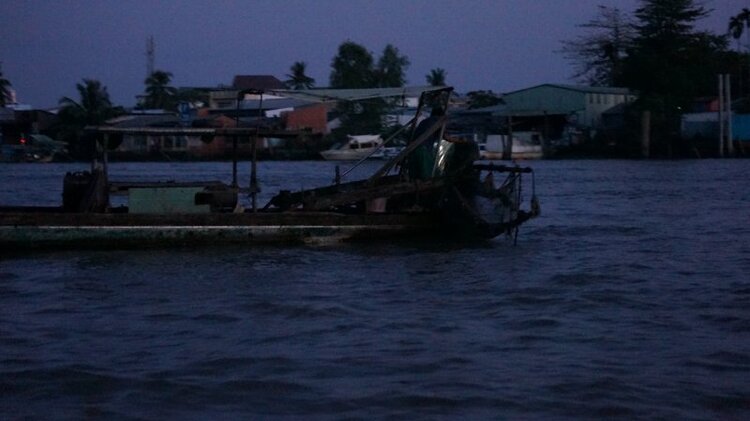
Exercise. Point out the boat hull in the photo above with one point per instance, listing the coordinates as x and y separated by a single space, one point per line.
60 230
346 154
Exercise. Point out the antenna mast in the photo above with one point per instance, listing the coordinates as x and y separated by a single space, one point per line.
150 56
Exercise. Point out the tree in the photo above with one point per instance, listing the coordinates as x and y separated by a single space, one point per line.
5 92
297 78
436 77
352 68
158 92
598 54
738 25
93 109
736 28
391 69
670 63
482 99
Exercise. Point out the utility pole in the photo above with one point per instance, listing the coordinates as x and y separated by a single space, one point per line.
646 134
721 116
150 54
726 137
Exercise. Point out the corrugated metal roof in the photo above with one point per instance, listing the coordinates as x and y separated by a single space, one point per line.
144 120
332 95
577 88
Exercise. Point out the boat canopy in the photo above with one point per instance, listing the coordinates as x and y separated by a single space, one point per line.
333 95
365 139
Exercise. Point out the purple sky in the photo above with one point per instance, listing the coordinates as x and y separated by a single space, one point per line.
47 46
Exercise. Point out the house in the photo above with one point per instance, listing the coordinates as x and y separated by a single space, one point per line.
144 138
226 98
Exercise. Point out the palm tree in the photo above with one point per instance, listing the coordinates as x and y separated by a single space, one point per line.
736 28
93 108
297 78
737 25
436 77
5 94
158 92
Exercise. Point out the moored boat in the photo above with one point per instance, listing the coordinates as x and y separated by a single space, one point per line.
354 149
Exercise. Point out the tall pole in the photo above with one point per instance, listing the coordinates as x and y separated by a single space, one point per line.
253 167
150 54
730 135
646 134
234 141
721 116
508 144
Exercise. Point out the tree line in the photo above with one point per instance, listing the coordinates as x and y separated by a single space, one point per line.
660 54
352 67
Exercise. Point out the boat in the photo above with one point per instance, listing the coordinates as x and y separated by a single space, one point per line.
354 149
526 145
34 148
387 152
433 188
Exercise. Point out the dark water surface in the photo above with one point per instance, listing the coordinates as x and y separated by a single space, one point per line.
629 298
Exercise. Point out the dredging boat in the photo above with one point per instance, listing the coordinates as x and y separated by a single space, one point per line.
432 188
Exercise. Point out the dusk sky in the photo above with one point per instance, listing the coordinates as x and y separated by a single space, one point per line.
48 46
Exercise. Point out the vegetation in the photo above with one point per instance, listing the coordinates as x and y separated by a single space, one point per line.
5 94
391 68
482 99
599 52
93 108
159 95
738 25
436 77
297 78
354 67
658 53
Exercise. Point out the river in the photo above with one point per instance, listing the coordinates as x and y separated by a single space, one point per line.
629 297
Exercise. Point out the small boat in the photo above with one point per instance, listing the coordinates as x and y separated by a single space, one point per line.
432 188
387 152
34 148
526 145
355 148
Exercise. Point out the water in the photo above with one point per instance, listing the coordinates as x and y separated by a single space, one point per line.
628 298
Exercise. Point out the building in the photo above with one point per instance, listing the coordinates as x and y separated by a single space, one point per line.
20 122
558 115
582 105
226 98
